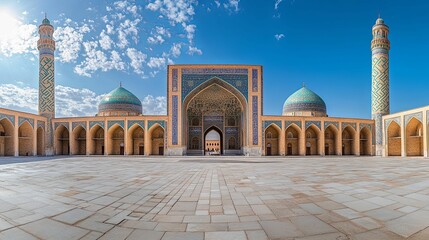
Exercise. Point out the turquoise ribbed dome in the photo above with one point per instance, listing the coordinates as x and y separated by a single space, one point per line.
120 99
304 100
46 21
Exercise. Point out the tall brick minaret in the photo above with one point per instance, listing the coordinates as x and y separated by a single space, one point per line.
46 46
380 46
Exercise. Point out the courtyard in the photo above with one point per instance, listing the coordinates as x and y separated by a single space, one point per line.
214 198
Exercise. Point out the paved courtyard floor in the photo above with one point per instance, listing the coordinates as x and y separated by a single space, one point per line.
217 198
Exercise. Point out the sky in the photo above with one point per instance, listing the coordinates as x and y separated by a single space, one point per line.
322 44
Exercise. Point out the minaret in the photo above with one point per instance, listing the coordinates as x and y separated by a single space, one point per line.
380 46
46 46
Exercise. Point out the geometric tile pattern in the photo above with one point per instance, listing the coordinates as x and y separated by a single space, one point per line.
255 119
266 124
175 79
365 125
345 124
327 123
10 117
113 122
21 120
254 80
192 78
93 123
41 124
315 123
175 119
65 124
82 124
418 116
153 122
288 123
138 122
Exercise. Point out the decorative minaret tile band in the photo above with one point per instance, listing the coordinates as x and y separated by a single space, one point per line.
46 46
380 46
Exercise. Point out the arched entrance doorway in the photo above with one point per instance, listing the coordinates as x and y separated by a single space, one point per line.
292 140
25 139
116 140
331 135
414 133
214 104
79 141
312 140
7 146
272 141
96 146
157 135
365 142
135 140
348 141
213 144
62 141
394 139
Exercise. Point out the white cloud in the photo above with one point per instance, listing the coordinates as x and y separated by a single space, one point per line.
69 41
155 62
277 3
155 39
217 3
98 60
19 98
190 30
232 5
25 13
176 50
137 59
16 37
72 102
154 105
279 36
105 41
194 50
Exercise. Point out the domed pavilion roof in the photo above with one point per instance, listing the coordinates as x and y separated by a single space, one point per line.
304 100
120 99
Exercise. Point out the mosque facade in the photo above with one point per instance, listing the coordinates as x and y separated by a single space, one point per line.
214 109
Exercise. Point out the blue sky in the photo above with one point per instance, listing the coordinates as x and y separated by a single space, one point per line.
325 44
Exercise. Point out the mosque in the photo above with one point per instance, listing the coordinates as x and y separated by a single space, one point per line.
215 109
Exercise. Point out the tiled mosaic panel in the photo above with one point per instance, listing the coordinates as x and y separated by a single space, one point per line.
210 121
138 122
75 124
41 124
380 84
65 124
11 118
46 84
21 120
268 123
175 76
255 120
315 123
254 80
150 123
175 120
93 123
191 79
113 122
335 124
418 116
288 123
345 124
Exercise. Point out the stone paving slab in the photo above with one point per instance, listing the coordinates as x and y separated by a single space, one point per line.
203 198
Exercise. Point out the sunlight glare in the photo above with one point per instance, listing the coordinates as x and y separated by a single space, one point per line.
8 25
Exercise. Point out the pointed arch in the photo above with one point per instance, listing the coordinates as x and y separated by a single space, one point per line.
156 145
135 142
25 139
62 140
96 140
78 140
365 141
211 146
394 139
272 141
348 141
312 138
7 143
414 137
331 140
116 140
292 135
